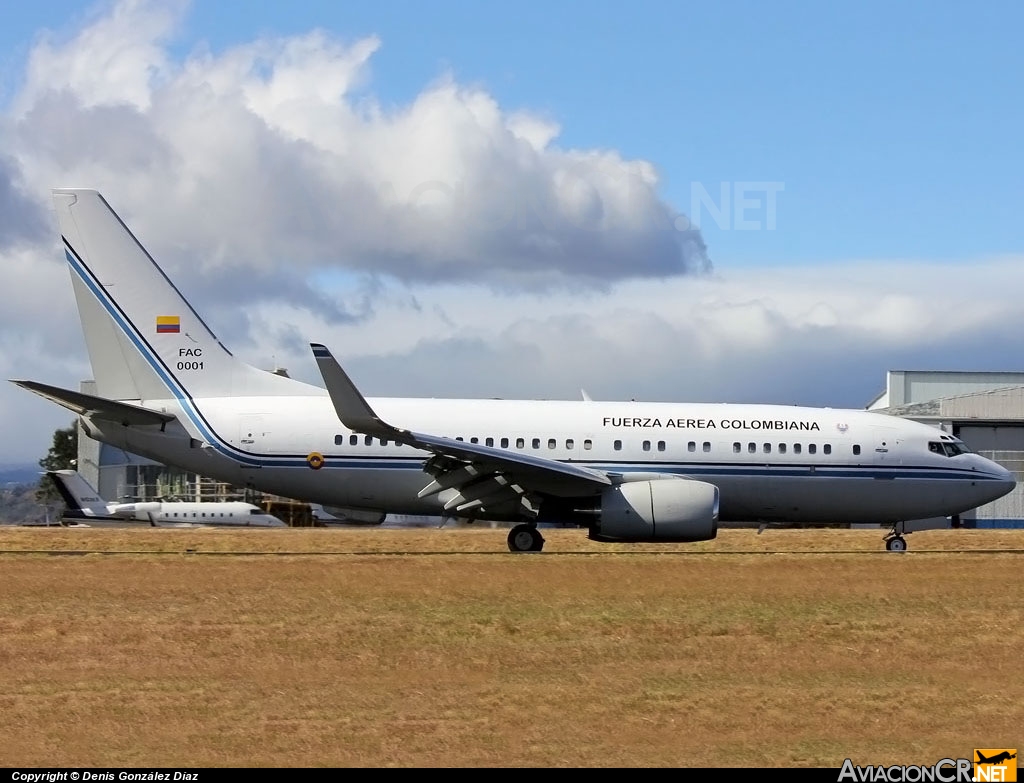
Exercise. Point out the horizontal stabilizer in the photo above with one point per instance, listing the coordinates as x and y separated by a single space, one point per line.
97 407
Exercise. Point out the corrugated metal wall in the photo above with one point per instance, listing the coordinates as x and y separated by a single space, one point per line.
1005 445
1008 511
910 386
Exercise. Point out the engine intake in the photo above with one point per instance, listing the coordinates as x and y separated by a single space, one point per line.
668 510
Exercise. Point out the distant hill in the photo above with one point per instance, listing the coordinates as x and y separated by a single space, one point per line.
18 505
19 474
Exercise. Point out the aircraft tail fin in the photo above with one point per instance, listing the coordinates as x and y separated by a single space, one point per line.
145 340
80 497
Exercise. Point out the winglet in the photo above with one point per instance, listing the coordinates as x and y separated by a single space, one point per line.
352 408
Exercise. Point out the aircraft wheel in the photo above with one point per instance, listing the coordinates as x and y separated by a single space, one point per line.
525 538
896 544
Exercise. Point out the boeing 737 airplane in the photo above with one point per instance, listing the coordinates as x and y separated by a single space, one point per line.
83 502
167 389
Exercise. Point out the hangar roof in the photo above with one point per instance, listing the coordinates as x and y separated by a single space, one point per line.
906 387
992 405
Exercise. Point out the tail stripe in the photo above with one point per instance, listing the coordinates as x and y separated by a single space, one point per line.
158 366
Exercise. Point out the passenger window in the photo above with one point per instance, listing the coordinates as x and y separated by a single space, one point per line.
767 448
661 445
691 446
736 448
647 445
551 443
707 446
474 439
797 448
353 440
782 448
368 440
520 443
384 442
856 449
536 443
504 443
812 448
617 445
489 442
752 448
459 437
339 440
588 444
570 443
828 448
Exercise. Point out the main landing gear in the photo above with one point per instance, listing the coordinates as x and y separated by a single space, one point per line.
525 538
894 541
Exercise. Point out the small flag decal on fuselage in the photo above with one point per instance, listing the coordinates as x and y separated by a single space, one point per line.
167 324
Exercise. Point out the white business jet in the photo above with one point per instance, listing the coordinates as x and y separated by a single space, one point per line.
82 501
167 389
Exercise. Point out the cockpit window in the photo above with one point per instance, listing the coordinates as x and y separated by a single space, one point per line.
949 448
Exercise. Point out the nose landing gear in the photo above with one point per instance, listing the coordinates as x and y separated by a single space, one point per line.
894 540
896 544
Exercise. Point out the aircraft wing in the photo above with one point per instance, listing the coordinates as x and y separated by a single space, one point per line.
96 407
482 476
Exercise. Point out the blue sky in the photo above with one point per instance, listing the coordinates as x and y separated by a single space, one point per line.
893 127
470 199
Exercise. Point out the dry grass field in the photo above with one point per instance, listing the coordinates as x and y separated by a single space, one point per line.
438 648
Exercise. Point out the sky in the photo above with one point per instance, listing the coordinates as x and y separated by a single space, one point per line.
670 201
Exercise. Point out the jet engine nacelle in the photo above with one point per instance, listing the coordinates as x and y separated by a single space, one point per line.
670 509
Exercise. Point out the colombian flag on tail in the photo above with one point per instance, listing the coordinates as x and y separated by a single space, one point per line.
167 324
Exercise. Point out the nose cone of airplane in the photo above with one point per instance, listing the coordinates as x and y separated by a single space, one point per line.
1002 480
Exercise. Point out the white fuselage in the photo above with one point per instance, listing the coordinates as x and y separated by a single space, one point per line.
771 463
199 513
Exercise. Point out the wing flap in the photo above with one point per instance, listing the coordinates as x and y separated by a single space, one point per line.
525 464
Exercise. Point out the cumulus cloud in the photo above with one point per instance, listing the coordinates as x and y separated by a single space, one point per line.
21 218
272 153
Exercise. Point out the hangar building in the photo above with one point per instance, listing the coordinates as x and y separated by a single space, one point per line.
984 409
